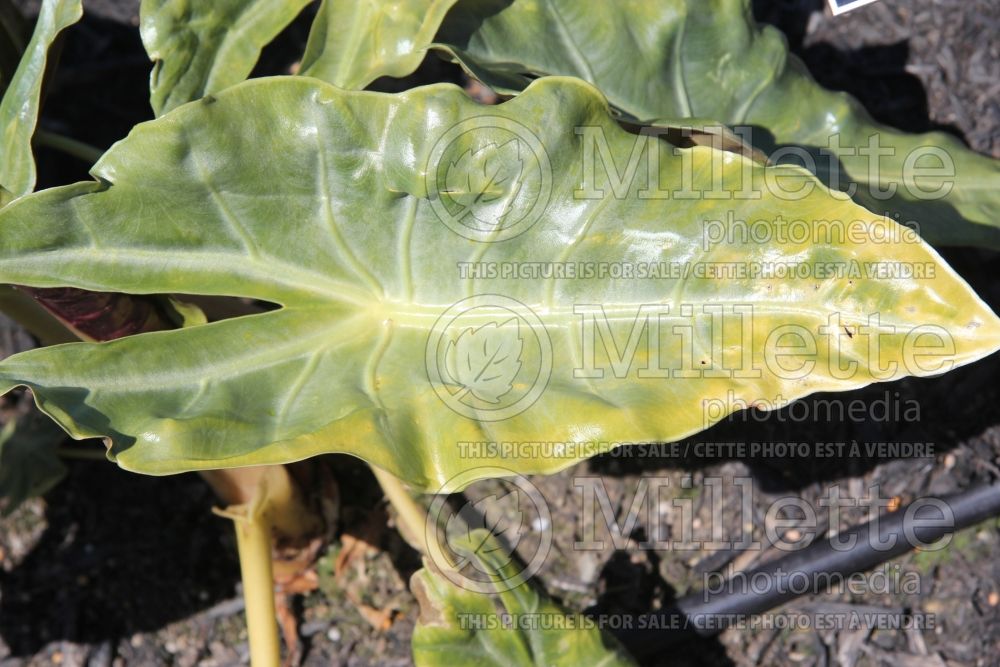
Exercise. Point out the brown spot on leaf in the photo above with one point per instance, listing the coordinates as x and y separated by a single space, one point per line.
430 614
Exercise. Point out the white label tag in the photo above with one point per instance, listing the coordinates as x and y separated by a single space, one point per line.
842 6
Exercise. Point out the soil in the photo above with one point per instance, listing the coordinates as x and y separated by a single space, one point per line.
112 568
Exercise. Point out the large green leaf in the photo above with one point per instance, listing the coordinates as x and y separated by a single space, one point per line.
354 226
200 47
464 627
353 43
19 107
708 59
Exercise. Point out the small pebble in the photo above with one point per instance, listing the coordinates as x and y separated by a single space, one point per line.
333 634
540 524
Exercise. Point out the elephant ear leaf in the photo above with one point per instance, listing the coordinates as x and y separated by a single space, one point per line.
200 48
396 341
527 629
709 59
353 43
22 97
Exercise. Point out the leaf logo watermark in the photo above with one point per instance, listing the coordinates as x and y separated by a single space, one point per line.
501 517
486 360
485 184
489 357
497 524
489 178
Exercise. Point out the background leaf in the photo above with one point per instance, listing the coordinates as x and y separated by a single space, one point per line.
21 99
709 59
353 43
200 48
29 463
446 632
341 228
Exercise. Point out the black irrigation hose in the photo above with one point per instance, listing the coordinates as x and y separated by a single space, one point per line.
774 583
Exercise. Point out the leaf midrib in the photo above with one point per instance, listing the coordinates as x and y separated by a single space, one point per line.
404 313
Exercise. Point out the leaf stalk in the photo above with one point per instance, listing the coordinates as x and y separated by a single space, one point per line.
77 149
265 503
412 519
253 540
